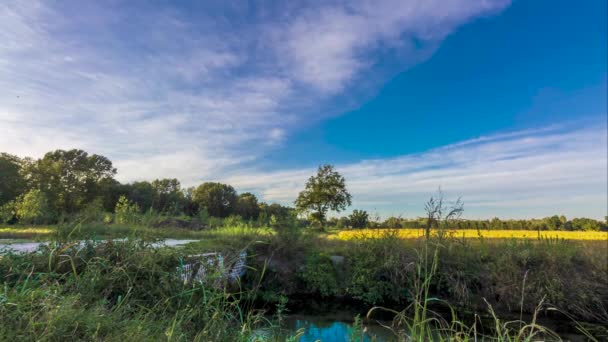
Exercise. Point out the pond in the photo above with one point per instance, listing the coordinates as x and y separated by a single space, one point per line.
328 327
24 246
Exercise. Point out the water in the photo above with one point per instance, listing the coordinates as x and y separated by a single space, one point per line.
31 246
328 327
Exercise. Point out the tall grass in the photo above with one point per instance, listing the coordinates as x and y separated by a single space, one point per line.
417 322
116 291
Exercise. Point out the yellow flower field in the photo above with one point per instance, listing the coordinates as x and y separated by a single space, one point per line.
471 233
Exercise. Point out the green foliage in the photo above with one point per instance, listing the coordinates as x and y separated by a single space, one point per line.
359 219
33 208
324 191
126 211
247 206
69 179
587 224
319 275
168 196
8 213
12 182
219 199
116 291
377 271
92 212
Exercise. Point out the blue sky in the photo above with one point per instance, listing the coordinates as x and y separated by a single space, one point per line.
502 103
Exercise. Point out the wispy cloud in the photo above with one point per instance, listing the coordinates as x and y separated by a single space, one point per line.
536 172
192 91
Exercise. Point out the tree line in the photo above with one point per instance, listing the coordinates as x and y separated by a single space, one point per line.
64 184
361 219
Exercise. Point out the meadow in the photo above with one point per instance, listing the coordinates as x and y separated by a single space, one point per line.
453 288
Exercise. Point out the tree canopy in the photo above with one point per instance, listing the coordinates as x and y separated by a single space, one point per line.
12 182
219 199
69 179
323 192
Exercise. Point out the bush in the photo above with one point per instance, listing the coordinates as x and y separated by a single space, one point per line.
126 211
359 219
33 208
319 275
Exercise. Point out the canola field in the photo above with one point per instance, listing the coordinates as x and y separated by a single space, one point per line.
472 233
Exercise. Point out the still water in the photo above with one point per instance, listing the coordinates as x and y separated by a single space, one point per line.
30 246
329 328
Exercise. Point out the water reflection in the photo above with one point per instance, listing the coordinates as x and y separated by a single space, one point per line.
29 246
319 328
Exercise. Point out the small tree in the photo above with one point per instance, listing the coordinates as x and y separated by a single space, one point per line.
32 207
323 192
126 211
359 219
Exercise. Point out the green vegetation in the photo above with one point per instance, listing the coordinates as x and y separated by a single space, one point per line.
323 192
439 287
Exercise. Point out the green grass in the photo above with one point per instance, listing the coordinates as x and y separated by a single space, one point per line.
127 290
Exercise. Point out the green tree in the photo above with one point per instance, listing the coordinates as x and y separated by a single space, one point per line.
219 199
247 206
12 182
32 207
126 211
359 219
142 193
168 196
69 179
324 191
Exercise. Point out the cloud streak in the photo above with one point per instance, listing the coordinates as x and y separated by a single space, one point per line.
538 172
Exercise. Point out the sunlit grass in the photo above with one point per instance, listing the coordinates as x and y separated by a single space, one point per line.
25 232
472 233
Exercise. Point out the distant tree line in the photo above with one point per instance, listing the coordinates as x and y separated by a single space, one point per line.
555 222
63 184
66 184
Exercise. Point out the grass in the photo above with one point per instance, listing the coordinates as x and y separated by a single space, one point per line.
26 232
127 290
115 291
471 233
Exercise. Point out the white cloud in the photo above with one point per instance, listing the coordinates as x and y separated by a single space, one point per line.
529 173
208 88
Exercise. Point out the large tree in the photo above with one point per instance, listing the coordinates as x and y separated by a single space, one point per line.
70 179
169 197
325 191
12 182
219 199
247 206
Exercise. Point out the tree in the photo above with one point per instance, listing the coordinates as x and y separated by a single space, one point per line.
359 219
69 179
142 193
12 182
247 206
219 199
323 192
32 207
126 211
168 195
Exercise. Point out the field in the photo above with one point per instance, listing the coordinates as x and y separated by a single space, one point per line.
470 233
114 289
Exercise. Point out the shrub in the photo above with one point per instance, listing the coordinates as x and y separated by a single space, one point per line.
126 211
319 275
32 207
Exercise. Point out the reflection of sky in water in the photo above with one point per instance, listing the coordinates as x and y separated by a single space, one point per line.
332 331
28 247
